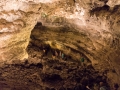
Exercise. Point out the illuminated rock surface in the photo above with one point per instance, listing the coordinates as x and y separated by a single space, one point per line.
76 27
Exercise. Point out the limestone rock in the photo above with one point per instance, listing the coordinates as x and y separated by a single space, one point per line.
17 19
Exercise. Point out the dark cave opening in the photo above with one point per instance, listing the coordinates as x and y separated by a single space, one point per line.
43 71
96 10
52 70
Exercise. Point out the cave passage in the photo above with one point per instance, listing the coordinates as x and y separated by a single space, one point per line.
46 73
50 68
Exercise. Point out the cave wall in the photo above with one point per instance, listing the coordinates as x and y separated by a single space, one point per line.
17 19
90 27
97 23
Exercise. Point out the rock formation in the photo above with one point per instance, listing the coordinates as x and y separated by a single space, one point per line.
77 27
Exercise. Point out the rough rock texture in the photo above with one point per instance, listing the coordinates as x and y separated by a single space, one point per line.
87 27
17 19
38 73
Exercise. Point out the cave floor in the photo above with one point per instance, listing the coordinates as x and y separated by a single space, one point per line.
37 73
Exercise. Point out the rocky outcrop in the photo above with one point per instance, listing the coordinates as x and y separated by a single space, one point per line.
17 19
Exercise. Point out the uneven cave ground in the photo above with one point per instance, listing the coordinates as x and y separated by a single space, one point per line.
44 73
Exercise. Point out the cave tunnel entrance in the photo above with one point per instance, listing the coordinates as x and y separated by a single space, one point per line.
58 71
51 70
58 39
